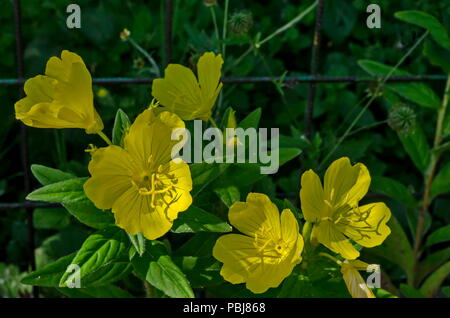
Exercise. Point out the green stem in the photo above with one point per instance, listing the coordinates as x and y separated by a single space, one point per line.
105 138
216 28
429 175
334 259
146 55
375 124
374 96
280 30
224 30
287 25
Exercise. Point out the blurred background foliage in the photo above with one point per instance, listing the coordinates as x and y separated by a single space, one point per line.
346 39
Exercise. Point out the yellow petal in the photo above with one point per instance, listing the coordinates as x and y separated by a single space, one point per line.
370 228
134 214
312 197
149 138
111 169
60 68
239 255
243 263
329 235
179 92
356 285
256 217
183 199
209 72
61 99
346 184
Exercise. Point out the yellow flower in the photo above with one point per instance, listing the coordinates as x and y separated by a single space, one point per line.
181 93
356 285
335 212
140 183
62 98
268 251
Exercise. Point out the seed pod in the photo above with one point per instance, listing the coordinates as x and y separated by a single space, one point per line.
402 118
240 22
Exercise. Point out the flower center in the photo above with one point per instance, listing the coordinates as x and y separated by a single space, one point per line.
271 250
156 184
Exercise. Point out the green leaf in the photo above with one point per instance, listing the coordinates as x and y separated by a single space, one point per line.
394 189
203 174
138 242
200 271
106 291
434 281
50 274
121 126
410 292
440 235
51 218
198 220
71 194
228 195
381 293
85 212
396 248
200 245
60 192
157 267
426 21
46 175
251 120
101 258
446 291
431 262
416 145
441 182
437 55
418 93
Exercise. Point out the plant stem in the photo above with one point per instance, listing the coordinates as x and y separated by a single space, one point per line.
280 30
334 259
287 25
105 138
429 174
146 55
375 124
374 96
224 30
216 28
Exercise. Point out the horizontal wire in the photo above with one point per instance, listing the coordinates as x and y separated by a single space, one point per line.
260 79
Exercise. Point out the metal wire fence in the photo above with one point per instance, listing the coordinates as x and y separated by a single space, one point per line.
311 79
